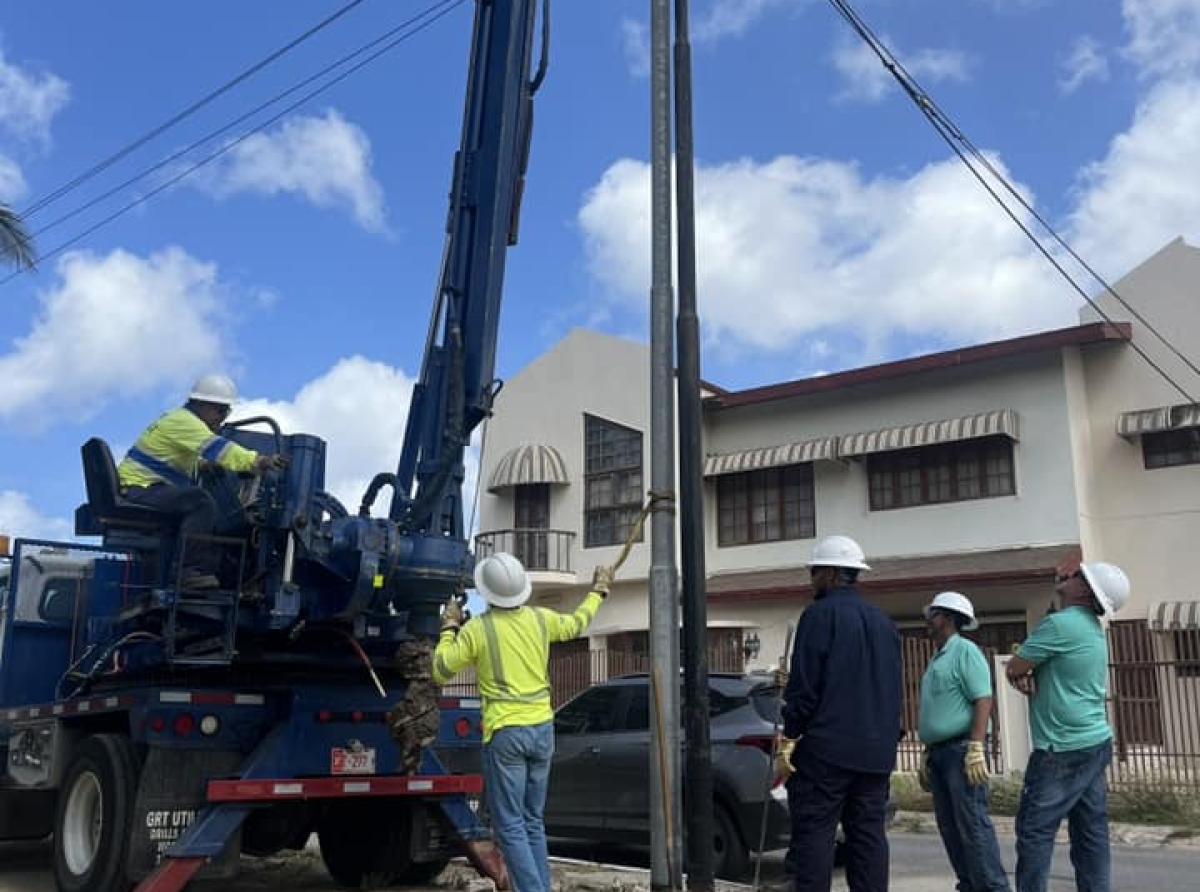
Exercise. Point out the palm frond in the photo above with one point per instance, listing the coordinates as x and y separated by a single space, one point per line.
16 246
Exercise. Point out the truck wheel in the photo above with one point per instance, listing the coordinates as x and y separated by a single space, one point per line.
731 858
95 811
370 841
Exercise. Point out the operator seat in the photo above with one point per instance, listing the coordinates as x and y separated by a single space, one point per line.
121 523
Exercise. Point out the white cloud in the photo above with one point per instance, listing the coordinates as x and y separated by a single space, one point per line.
112 325
12 183
866 80
1164 35
635 39
29 102
799 247
1144 191
19 518
1085 62
732 18
359 407
327 160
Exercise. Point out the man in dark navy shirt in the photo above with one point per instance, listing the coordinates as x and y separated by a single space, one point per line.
841 721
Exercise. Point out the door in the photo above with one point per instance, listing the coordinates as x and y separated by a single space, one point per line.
579 793
531 517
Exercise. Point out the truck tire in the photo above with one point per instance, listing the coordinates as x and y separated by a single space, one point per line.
370 842
94 816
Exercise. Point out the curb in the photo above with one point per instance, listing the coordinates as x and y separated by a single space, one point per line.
1139 835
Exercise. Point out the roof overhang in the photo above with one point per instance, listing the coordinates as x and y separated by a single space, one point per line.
1152 421
930 433
1174 616
770 457
1004 566
526 464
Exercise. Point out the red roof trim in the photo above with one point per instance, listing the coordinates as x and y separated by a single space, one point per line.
1093 332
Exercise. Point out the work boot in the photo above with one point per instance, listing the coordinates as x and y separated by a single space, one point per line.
195 581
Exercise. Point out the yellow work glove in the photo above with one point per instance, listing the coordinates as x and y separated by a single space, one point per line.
974 764
783 757
923 771
453 615
602 578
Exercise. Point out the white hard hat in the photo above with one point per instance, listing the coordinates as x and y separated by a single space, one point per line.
214 388
502 580
956 602
838 551
1108 583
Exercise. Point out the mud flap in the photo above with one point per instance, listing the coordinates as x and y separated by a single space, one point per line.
486 858
172 790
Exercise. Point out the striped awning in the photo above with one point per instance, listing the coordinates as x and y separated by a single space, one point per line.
1152 421
769 457
1174 616
930 433
528 463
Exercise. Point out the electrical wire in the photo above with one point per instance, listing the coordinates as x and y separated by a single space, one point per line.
187 112
955 137
241 119
414 26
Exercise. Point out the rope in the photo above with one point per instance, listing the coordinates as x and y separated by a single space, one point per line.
655 501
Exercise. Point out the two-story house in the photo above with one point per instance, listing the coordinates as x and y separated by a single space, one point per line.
978 469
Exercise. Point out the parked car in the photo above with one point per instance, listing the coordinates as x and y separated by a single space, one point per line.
600 780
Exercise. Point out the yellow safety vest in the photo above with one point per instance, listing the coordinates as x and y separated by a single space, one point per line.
510 650
171 449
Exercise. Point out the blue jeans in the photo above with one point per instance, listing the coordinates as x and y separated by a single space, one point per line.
1067 785
963 821
516 771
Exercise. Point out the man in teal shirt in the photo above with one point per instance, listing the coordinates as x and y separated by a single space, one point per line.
1062 667
956 704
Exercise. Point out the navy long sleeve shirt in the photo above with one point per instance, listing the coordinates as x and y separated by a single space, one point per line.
844 686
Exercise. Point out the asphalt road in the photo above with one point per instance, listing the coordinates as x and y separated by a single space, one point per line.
918 865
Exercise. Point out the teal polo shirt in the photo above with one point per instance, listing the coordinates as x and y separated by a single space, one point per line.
955 678
1071 656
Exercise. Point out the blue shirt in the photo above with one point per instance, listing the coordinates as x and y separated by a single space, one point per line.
843 692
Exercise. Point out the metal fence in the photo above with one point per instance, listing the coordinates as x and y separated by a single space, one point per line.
1154 690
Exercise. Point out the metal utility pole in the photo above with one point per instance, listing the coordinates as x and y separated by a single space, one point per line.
698 767
666 868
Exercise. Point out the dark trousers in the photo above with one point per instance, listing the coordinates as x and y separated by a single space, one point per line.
820 796
196 511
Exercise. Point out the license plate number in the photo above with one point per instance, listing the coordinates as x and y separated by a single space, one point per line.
343 761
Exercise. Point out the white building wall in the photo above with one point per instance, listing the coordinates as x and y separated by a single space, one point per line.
1147 521
1041 512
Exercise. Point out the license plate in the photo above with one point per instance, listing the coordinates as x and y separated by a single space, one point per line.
343 761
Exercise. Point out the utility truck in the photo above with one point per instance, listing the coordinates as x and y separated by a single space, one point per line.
158 733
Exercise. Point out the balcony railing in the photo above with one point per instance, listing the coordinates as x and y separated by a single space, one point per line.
539 550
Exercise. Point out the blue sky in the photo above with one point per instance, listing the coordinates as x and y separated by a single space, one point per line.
834 226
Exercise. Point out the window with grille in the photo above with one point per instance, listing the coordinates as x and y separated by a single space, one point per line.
767 505
950 472
1167 449
612 481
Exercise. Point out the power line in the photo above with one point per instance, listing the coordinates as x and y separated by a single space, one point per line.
162 128
954 137
241 119
413 25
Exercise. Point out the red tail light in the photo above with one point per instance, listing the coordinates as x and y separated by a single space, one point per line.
184 724
462 727
762 742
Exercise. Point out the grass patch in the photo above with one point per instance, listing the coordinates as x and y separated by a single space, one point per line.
1132 804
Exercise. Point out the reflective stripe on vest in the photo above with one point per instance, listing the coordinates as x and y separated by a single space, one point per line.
158 467
493 646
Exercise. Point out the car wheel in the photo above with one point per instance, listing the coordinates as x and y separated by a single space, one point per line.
731 858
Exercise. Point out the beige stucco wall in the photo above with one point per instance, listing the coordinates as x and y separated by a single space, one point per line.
1146 521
